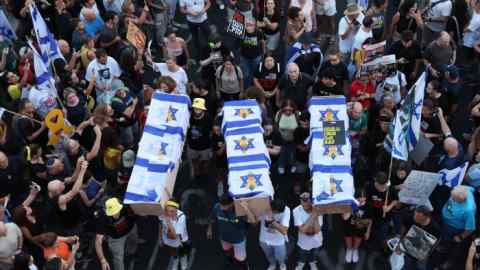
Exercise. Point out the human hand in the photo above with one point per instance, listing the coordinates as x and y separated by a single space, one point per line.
97 130
5 51
105 265
457 239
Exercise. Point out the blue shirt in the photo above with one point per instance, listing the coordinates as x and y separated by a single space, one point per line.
450 163
231 229
460 215
93 27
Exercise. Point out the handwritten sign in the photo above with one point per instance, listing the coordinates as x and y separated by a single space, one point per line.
55 123
236 26
417 188
334 132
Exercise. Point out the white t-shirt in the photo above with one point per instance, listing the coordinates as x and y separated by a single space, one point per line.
180 76
325 7
43 101
271 236
307 242
105 73
307 13
9 243
393 82
443 9
360 37
194 6
346 44
94 8
180 227
114 6
472 36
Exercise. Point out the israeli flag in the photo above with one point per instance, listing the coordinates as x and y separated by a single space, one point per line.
166 149
241 113
49 49
245 142
330 187
43 76
6 29
328 154
250 183
454 177
146 183
169 111
327 109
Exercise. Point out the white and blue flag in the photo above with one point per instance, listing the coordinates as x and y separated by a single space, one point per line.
169 111
6 29
245 142
241 113
49 49
250 183
43 75
331 187
453 177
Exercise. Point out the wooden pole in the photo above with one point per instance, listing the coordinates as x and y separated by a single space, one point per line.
21 115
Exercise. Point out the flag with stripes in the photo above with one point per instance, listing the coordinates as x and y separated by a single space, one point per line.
43 75
453 177
49 49
405 129
6 29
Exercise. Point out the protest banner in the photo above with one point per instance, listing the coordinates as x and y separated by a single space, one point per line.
418 243
236 27
159 154
136 36
374 51
417 188
330 155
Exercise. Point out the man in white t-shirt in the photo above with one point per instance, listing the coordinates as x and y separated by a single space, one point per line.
348 28
196 12
395 83
104 72
363 34
177 73
174 235
309 225
273 235
43 101
435 15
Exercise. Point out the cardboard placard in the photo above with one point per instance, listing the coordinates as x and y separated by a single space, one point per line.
136 36
418 243
333 209
259 206
236 26
421 150
417 188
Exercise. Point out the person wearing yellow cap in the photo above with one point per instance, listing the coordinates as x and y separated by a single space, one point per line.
117 226
173 230
198 137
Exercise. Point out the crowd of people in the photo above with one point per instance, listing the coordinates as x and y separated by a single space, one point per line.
61 202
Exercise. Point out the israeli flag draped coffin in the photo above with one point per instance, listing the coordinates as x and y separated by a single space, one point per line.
247 154
330 154
160 149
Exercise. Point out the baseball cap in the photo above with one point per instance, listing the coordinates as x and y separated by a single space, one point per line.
113 207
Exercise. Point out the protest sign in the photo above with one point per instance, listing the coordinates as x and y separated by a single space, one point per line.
374 51
417 188
418 243
236 26
136 36
421 150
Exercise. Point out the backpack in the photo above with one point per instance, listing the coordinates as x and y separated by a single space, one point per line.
431 6
221 73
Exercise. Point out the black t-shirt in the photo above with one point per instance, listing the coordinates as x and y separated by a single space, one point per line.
432 125
411 54
12 178
320 89
77 114
119 105
296 91
275 18
268 78
308 61
199 133
250 45
299 136
340 71
273 139
217 143
115 228
27 127
376 201
432 228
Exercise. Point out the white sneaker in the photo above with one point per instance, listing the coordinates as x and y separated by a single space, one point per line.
272 267
293 169
281 170
300 266
184 262
355 256
283 266
348 255
222 7
313 266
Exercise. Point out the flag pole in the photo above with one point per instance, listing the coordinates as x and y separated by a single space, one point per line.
21 115
390 168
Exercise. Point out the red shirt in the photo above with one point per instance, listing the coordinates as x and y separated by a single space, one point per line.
358 88
31 74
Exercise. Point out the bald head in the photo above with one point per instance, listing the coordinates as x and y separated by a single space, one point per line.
357 110
450 145
64 47
89 14
444 39
293 71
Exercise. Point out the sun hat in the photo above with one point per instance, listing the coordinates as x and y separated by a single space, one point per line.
199 103
113 207
352 9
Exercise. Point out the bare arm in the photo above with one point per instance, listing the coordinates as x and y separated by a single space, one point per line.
443 123
99 250
96 145
64 199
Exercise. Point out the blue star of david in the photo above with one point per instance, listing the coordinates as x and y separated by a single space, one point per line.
171 114
243 144
335 185
163 148
329 115
323 196
333 151
417 105
251 181
243 112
